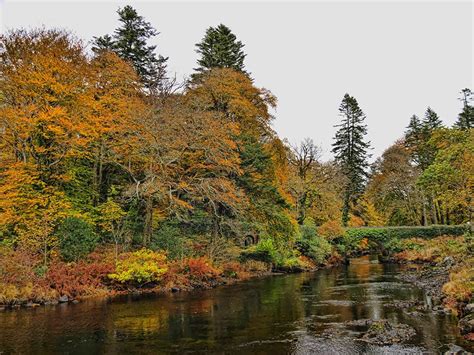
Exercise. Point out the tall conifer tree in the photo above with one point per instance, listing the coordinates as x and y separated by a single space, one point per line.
220 49
129 41
466 117
351 151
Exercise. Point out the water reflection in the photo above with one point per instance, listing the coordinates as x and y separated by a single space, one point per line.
277 315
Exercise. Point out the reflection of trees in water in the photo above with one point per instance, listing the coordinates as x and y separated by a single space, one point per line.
297 307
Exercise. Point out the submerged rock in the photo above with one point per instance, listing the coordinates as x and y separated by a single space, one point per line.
466 324
455 350
384 332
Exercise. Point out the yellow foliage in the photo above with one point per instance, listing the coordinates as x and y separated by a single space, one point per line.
140 267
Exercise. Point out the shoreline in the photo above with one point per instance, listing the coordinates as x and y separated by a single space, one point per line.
431 278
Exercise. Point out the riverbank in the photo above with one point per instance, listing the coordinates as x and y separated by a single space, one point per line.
444 268
139 272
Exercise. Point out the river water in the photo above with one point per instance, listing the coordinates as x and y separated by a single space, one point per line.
285 314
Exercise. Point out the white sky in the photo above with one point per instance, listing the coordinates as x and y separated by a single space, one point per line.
396 58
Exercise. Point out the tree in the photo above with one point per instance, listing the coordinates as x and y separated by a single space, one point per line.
449 178
466 117
414 137
220 49
303 158
129 41
392 187
351 151
431 121
417 137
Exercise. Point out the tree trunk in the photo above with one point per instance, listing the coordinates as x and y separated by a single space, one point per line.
148 229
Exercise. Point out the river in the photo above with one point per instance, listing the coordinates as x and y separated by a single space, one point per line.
282 314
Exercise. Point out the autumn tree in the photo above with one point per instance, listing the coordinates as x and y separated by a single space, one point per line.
351 151
233 95
449 179
392 187
304 158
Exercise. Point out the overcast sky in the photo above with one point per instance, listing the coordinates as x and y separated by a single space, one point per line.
396 58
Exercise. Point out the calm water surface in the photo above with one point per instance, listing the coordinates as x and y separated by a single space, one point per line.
287 314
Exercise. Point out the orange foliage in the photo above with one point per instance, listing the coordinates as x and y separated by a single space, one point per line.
78 279
331 229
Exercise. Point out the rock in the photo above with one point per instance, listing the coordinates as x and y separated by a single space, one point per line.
469 308
75 301
32 305
63 299
466 324
448 261
174 289
455 350
383 332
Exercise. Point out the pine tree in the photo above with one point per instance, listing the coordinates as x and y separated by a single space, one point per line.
466 117
351 151
431 121
103 43
414 137
220 49
129 42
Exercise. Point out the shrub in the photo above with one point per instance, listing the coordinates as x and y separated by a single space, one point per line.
200 269
311 245
139 268
78 279
265 251
431 250
235 270
76 239
460 287
291 263
19 283
255 266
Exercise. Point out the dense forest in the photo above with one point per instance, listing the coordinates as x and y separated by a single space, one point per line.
114 174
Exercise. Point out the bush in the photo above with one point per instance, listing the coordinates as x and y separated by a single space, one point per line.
76 239
200 269
431 250
311 245
460 287
19 283
78 279
140 268
258 267
265 251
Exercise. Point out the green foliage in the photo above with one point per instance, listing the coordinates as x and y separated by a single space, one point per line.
311 245
129 42
351 151
76 239
264 251
466 117
170 237
220 49
140 267
386 233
